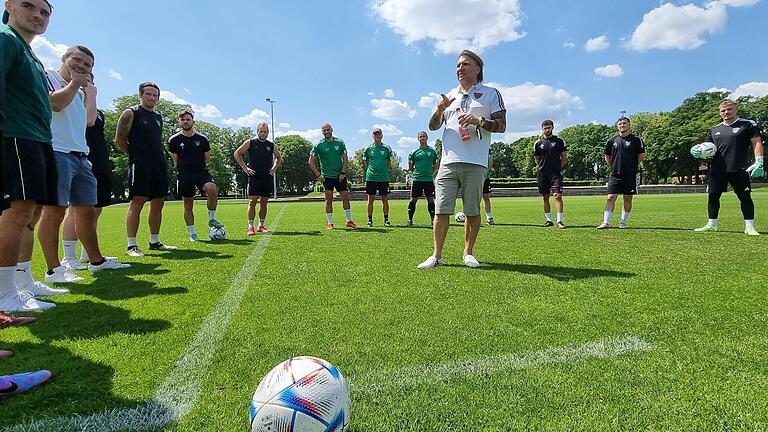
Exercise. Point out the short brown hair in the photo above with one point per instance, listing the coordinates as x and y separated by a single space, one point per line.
146 84
547 122
477 60
73 49
727 102
186 111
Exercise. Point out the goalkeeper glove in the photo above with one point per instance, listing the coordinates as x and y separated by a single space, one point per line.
756 170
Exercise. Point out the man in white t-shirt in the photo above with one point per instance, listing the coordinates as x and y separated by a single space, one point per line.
73 99
470 112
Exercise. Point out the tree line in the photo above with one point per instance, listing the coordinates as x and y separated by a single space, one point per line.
668 138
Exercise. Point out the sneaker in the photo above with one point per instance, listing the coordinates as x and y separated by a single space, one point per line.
107 265
410 223
750 230
471 262
622 225
194 237
215 224
351 225
490 221
161 247
369 224
86 260
22 301
548 223
561 225
134 251
603 226
62 274
262 229
72 264
706 228
40 289
429 263
24 382
387 224
251 231
329 227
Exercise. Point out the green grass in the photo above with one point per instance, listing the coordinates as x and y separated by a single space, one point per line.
356 299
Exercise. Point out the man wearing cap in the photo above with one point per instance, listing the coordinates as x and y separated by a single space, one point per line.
139 133
470 113
28 167
377 160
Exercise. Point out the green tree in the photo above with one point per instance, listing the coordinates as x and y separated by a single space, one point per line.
522 156
586 150
294 176
503 160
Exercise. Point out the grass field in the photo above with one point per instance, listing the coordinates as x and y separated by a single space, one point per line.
649 328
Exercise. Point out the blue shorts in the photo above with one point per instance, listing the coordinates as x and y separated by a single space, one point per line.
77 184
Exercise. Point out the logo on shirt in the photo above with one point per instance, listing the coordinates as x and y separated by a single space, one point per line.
615 144
336 147
626 143
158 123
541 146
197 143
381 152
182 146
717 133
478 95
736 130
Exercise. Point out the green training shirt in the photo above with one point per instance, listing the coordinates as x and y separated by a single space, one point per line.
378 158
424 160
330 156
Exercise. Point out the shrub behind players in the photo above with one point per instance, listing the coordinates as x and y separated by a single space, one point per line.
551 154
332 154
191 153
623 153
422 163
733 137
263 160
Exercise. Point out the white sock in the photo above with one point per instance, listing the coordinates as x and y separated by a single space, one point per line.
84 254
607 217
548 216
24 274
559 216
70 249
329 216
348 213
749 222
250 223
7 281
132 241
211 214
154 238
191 229
713 222
488 215
624 216
261 222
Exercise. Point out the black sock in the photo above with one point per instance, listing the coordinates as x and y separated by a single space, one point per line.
103 260
411 210
431 208
370 218
386 217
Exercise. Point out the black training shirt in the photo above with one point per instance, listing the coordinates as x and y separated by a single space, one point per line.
733 143
260 157
549 150
624 152
145 140
190 151
99 152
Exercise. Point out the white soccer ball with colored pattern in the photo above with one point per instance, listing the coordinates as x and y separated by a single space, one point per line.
705 150
460 216
217 233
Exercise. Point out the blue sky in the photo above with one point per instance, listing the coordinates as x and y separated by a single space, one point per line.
362 64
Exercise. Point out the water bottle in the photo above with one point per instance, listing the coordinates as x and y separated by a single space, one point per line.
463 130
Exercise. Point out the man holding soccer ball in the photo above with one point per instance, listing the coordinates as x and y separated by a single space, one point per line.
733 137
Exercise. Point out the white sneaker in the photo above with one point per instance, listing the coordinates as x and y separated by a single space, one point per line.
429 263
471 262
40 289
85 259
72 264
108 264
62 274
22 301
134 251
622 225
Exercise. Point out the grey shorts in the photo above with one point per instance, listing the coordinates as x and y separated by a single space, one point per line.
77 184
458 176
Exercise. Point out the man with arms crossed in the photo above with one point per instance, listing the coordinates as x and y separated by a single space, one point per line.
470 112
332 154
551 155
377 159
191 153
261 171
140 134
422 163
623 153
733 138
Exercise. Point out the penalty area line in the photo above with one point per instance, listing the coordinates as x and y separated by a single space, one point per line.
181 389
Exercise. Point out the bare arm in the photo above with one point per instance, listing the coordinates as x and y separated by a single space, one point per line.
278 160
437 118
312 162
758 143
537 159
640 157
563 158
498 122
90 104
207 157
344 165
123 129
411 166
61 98
175 159
239 153
608 160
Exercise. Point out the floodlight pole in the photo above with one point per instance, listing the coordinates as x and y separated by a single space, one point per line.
272 117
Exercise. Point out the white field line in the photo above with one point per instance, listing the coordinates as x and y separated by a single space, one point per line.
181 389
430 374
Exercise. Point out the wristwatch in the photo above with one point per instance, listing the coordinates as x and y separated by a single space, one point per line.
483 123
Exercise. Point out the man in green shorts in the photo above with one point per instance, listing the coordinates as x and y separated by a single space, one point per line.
332 155
377 159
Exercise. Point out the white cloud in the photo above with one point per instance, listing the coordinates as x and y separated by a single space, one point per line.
207 110
753 89
430 100
188 91
48 52
389 93
251 120
371 94
718 90
682 27
388 129
407 142
568 44
597 44
363 131
609 71
465 24
284 125
313 135
115 74
391 109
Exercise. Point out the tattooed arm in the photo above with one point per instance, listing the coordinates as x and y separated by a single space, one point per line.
123 129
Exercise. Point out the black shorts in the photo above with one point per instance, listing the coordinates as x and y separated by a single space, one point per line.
549 183
740 181
261 186
487 186
29 171
148 179
624 184
334 183
188 181
426 188
374 187
103 189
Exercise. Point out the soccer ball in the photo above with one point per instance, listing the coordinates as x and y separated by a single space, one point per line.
705 150
217 233
460 217
305 394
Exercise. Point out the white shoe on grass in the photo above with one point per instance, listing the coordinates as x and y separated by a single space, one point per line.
62 274
471 262
22 301
108 264
72 264
429 263
40 289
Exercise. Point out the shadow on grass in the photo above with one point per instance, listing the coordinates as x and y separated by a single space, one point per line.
118 284
296 233
563 274
192 254
78 385
89 320
241 242
374 230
